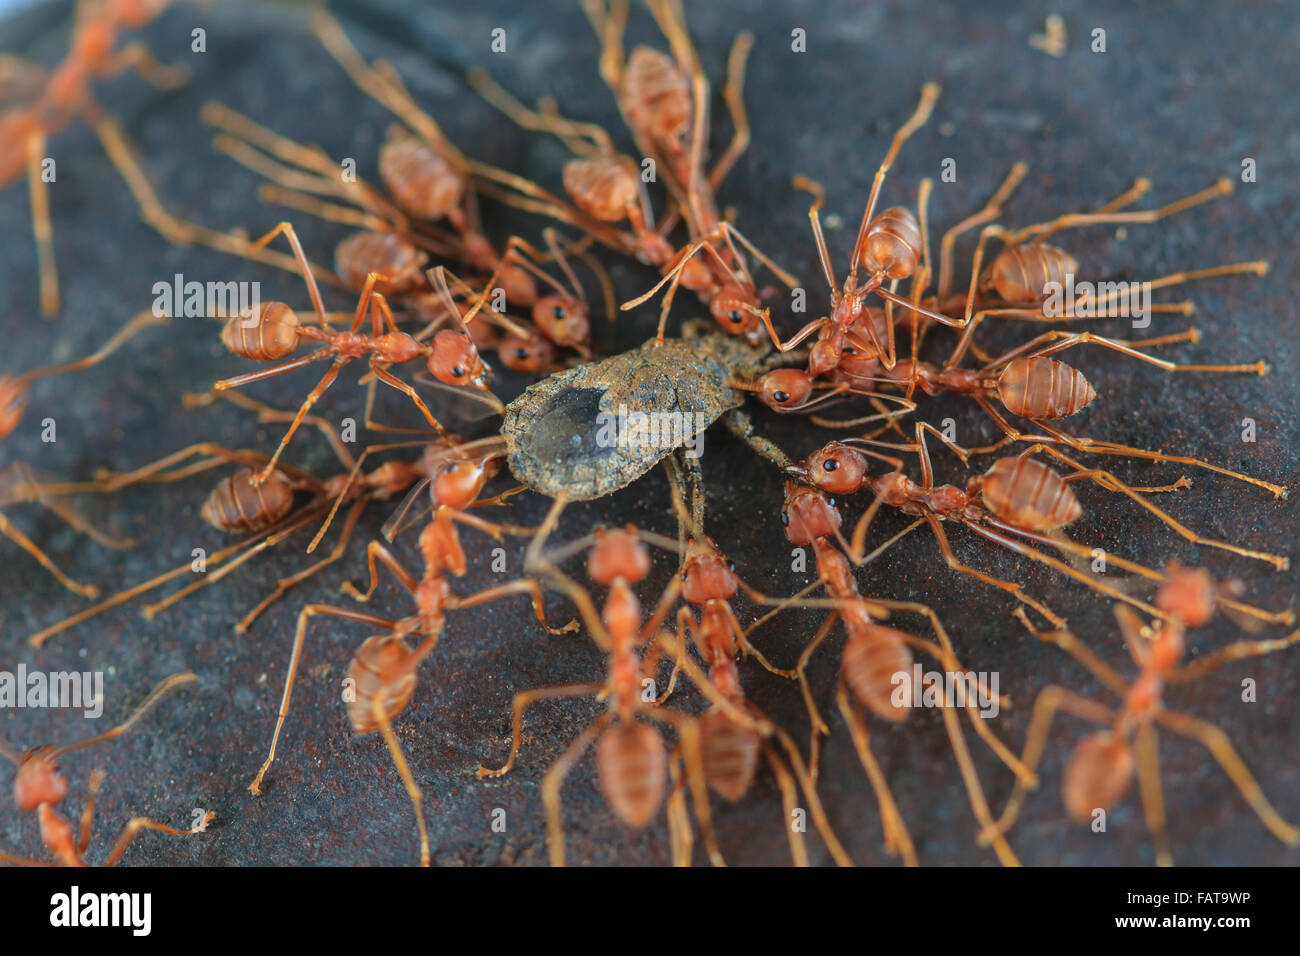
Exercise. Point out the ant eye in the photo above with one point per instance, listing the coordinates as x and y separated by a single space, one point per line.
785 518
521 353
735 316
781 397
830 502
558 311
830 464
458 371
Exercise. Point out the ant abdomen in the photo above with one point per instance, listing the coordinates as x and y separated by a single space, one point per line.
236 504
633 769
266 335
1038 387
422 182
893 244
386 253
1020 275
382 673
604 187
872 657
1028 494
729 751
1098 774
657 94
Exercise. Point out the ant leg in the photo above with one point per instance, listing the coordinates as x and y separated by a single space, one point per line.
391 380
728 232
88 813
10 531
267 414
304 619
992 209
1220 747
688 732
519 586
814 217
41 229
1153 800
1014 589
789 803
132 830
742 426
377 551
1060 341
1233 652
1050 699
732 94
213 456
971 321
819 726
399 761
1112 483
161 690
136 56
1074 220
240 128
554 779
929 94
1067 642
284 584
897 839
521 703
680 839
312 289
312 397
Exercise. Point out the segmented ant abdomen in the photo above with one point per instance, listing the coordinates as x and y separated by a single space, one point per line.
1098 774
632 766
383 675
1020 275
395 258
657 95
236 504
729 752
562 319
872 658
1039 387
1027 493
264 335
38 781
893 244
604 187
422 182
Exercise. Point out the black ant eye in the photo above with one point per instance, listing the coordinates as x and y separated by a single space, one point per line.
850 350
458 371
830 464
558 311
521 353
781 397
735 316
785 518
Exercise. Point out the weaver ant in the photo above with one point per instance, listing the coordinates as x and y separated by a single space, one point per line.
1102 766
39 786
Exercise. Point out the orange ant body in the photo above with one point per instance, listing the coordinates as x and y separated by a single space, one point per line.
39 786
383 670
1103 765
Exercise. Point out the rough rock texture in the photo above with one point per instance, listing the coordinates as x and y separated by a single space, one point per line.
1183 94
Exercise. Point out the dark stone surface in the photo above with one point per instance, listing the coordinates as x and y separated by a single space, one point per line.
1182 94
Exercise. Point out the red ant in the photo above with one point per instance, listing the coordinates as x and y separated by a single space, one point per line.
383 670
39 786
1102 767
66 94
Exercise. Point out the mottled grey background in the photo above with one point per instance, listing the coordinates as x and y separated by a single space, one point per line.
1183 93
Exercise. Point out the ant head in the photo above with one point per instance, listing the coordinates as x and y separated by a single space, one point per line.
893 246
1188 595
517 284
533 354
734 307
618 553
785 389
836 468
453 360
38 780
562 319
708 576
458 481
808 515
13 401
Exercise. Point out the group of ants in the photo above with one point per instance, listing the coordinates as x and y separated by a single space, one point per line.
427 210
